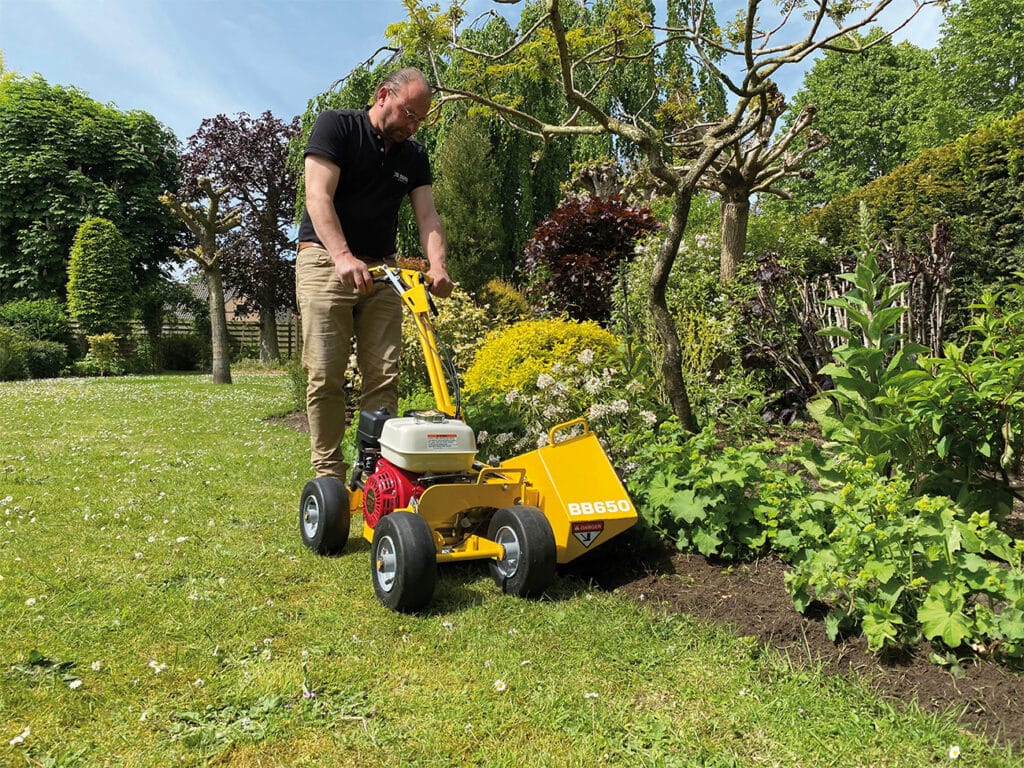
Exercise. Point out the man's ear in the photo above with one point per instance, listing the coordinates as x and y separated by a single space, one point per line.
382 93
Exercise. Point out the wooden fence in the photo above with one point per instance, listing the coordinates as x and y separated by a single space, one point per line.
244 333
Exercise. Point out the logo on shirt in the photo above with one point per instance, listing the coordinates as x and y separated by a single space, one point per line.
401 178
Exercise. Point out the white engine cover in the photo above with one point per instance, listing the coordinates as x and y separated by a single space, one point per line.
428 444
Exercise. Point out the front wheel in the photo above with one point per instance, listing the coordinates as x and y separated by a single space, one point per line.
403 560
324 518
528 567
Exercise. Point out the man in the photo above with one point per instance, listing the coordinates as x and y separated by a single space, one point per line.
359 165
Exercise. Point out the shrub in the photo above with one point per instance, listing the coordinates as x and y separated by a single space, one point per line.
298 382
13 362
182 352
42 319
618 407
512 358
903 567
720 500
45 359
954 424
459 326
505 303
572 260
99 278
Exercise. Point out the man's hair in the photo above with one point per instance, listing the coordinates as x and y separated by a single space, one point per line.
397 79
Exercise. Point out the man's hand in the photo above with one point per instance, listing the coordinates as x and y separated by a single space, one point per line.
440 284
353 273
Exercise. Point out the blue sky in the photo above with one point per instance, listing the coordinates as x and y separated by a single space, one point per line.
185 60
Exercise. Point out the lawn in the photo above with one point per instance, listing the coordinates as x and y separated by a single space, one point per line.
157 608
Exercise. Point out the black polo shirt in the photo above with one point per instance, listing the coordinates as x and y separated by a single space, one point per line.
372 183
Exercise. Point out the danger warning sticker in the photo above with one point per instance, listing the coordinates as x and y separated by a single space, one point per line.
588 532
440 442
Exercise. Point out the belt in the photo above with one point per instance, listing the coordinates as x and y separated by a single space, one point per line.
308 244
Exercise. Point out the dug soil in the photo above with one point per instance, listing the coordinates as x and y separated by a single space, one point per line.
751 600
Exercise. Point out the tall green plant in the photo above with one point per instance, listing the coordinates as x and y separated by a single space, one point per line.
870 360
100 294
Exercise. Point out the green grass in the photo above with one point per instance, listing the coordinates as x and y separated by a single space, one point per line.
149 549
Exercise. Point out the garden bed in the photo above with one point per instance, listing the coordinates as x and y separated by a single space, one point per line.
751 599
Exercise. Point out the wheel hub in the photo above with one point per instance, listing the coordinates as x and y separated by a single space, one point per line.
311 517
386 564
509 564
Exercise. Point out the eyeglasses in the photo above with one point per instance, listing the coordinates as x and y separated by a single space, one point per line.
411 116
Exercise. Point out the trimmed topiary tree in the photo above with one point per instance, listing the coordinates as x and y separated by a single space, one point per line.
100 296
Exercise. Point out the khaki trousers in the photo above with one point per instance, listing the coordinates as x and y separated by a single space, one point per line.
331 316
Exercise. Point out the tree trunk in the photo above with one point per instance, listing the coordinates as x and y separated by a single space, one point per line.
734 216
218 327
672 362
269 349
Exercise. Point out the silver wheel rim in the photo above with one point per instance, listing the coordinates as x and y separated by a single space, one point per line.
509 564
385 568
311 517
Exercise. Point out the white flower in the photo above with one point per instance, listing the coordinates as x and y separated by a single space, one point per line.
500 686
199 682
157 667
481 437
586 356
590 695
954 752
30 602
266 655
75 684
20 738
511 396
545 380
96 665
447 625
648 417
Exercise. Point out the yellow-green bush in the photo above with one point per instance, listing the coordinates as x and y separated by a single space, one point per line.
506 303
513 357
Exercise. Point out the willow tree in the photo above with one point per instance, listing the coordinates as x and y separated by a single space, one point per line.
578 60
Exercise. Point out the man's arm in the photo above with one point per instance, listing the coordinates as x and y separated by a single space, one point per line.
432 239
322 177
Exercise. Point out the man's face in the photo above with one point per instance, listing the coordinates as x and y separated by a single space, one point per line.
404 110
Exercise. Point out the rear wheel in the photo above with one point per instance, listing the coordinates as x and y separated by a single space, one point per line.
528 567
403 561
324 518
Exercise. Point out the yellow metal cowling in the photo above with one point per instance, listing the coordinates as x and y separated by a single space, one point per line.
572 481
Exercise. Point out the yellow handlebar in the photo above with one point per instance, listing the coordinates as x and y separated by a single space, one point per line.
411 287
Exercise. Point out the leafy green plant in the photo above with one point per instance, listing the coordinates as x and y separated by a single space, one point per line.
13 362
869 361
968 406
904 568
40 319
720 500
